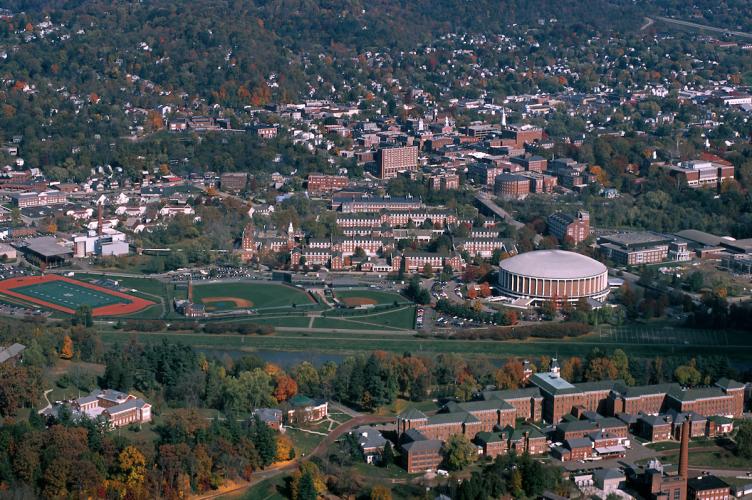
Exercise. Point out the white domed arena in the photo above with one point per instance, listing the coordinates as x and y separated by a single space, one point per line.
544 275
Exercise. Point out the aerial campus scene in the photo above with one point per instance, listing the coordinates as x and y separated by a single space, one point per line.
375 250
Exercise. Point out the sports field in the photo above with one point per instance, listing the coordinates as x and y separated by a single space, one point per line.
67 295
353 298
243 295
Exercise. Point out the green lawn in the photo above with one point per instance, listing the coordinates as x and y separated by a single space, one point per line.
261 295
721 459
268 489
403 318
303 442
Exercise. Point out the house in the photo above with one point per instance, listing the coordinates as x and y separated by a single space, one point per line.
371 443
12 353
117 408
608 480
272 417
573 450
304 409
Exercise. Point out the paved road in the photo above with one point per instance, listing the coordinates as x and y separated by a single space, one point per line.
319 451
705 27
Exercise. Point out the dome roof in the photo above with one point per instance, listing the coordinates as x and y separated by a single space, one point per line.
553 264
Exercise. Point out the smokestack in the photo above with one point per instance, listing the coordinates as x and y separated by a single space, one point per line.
190 290
99 219
684 449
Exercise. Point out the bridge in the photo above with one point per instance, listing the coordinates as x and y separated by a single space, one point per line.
489 207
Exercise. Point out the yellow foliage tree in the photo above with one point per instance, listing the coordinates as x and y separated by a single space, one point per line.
381 492
52 228
66 352
284 448
132 468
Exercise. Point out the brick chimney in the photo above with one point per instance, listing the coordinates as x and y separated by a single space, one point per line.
684 450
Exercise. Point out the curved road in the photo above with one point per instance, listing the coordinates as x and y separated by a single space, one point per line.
688 24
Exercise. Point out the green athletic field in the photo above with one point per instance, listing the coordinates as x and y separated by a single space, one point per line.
69 295
263 295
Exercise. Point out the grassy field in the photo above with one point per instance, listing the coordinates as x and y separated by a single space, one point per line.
374 296
402 318
721 459
257 295
396 342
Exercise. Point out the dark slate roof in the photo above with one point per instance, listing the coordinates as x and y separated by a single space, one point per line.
128 405
470 406
455 417
726 383
696 393
605 474
576 425
645 390
519 432
490 437
11 351
425 445
412 414
508 395
708 482
413 435
578 443
268 414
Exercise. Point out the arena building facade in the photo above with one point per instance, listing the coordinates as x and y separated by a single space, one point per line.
544 275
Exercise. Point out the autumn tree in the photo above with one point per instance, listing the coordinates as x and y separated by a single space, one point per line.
285 449
285 388
459 452
380 492
66 352
307 482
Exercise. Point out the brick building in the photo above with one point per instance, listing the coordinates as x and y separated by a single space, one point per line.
321 184
512 186
34 199
392 160
567 227
233 182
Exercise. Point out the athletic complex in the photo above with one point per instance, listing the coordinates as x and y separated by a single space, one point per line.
66 295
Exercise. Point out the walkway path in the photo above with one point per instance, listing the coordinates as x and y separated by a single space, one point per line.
49 404
319 451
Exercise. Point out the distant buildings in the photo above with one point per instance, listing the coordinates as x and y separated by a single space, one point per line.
233 182
323 184
699 173
41 199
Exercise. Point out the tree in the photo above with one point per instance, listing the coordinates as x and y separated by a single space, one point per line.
688 375
132 468
387 457
380 492
66 352
743 439
285 449
459 452
601 368
307 482
83 316
285 388
572 370
427 270
264 441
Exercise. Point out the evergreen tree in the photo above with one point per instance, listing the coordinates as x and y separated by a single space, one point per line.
387 457
263 440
